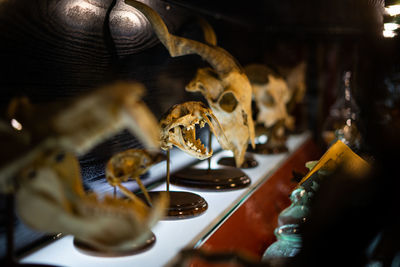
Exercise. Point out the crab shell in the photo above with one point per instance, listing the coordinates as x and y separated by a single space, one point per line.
178 128
130 163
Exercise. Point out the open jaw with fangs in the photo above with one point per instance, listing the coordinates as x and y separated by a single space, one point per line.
178 128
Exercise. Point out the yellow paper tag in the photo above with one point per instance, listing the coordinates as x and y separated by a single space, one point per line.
340 154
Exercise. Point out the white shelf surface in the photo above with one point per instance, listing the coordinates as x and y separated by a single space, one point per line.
174 235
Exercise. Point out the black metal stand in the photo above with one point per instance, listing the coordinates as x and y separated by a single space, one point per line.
182 204
10 260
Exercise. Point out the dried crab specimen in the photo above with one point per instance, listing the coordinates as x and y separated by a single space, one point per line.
178 128
225 85
51 199
42 171
130 163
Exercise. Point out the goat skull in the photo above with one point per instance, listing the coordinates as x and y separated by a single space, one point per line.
178 128
230 87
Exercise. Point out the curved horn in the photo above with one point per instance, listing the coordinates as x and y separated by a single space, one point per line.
209 34
218 58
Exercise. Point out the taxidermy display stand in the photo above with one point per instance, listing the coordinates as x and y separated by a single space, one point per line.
275 144
181 204
9 259
213 179
89 250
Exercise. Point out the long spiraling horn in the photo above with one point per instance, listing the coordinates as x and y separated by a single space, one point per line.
222 62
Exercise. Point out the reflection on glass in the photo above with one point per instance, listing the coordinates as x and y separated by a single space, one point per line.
340 123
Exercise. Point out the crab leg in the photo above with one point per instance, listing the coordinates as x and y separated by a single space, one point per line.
168 174
209 148
144 190
132 196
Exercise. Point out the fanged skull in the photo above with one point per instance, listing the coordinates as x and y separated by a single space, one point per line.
77 127
51 199
271 95
48 187
226 87
178 128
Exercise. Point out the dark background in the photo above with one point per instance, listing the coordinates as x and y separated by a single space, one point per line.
52 50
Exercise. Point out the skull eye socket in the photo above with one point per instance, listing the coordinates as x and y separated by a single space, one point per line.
228 102
31 174
200 86
268 100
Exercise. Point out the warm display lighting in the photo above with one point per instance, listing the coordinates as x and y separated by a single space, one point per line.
389 29
16 125
81 7
393 10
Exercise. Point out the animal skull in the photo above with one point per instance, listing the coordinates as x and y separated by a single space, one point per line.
44 174
178 128
78 127
102 114
226 82
231 104
271 95
51 199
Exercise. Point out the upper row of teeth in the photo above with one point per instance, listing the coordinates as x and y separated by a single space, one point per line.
202 124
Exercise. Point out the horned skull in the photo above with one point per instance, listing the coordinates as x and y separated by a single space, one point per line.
271 95
225 86
178 128
230 101
51 199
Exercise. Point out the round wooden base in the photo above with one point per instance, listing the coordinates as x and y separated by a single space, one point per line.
89 250
16 264
213 179
266 149
182 205
248 163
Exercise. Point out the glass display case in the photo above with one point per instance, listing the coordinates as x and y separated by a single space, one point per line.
55 52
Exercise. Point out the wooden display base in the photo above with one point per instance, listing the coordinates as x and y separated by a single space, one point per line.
213 179
267 149
182 205
16 264
89 250
249 162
